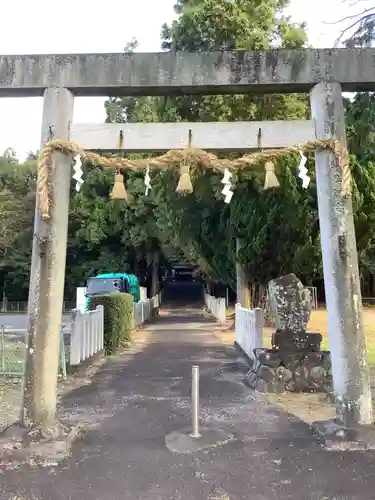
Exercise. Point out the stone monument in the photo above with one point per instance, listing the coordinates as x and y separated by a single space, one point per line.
295 362
290 303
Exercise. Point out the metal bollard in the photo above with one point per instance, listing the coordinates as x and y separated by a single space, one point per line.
195 402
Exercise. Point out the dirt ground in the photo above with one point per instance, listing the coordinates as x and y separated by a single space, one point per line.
310 407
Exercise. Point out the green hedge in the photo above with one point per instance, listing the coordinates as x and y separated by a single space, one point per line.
118 319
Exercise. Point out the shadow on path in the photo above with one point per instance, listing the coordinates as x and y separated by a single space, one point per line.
138 398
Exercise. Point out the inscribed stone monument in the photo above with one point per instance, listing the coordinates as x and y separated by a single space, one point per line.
290 303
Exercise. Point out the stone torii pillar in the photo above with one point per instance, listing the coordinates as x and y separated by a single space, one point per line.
48 271
340 264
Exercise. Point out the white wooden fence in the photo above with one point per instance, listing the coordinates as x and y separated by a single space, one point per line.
142 310
216 307
143 293
87 334
249 329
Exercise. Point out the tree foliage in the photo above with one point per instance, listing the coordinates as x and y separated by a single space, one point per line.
359 27
207 227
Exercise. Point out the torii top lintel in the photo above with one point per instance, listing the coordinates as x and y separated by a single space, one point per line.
275 71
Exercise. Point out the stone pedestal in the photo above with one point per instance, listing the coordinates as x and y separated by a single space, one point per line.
295 362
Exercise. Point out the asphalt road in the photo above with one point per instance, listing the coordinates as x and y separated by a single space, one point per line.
19 321
142 396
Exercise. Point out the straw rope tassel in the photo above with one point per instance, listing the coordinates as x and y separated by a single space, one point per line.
119 191
270 180
184 184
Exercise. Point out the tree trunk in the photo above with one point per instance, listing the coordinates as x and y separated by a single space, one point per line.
136 267
4 303
243 292
154 274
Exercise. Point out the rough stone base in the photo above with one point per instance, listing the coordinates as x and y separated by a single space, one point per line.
276 371
336 436
20 445
181 442
233 350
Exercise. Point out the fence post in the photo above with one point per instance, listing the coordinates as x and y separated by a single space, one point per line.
258 327
75 338
62 354
94 347
248 328
237 322
85 337
90 331
88 320
222 311
101 328
93 332
97 331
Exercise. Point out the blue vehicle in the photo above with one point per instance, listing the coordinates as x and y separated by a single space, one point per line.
105 283
130 279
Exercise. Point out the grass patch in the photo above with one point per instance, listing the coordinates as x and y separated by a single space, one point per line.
12 359
319 323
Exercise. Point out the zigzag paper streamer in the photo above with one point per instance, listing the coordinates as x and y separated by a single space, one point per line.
147 181
78 172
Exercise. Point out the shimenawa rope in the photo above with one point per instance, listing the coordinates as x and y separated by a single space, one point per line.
187 157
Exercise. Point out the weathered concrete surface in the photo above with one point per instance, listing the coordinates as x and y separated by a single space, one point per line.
210 136
47 273
183 442
335 436
350 370
180 73
137 399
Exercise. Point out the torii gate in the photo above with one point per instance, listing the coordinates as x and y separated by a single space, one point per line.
322 73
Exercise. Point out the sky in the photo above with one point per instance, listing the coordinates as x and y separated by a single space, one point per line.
82 26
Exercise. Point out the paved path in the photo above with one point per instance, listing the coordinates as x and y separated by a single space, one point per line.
138 398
